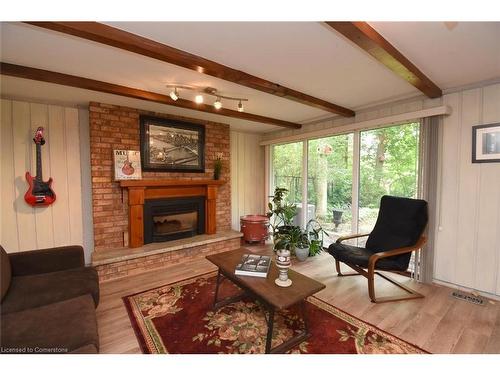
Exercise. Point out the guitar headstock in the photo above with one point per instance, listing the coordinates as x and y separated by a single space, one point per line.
39 140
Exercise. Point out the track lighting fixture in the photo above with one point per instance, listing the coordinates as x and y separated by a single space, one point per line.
174 94
198 99
218 103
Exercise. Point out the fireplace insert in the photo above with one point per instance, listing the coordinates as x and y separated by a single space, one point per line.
173 218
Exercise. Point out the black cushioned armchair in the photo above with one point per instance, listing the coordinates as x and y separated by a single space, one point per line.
397 233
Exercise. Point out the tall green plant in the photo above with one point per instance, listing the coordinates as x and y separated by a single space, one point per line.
280 213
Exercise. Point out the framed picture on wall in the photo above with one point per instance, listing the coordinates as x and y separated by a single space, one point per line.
127 165
486 143
172 146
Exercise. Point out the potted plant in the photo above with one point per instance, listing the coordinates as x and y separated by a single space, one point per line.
280 213
217 166
315 233
295 240
302 242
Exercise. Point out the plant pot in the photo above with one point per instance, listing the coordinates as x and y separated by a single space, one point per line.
302 253
254 228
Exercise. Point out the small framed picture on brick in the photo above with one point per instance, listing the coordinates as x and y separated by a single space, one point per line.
127 165
172 146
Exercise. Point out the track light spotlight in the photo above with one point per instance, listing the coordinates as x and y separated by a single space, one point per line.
200 93
174 94
218 103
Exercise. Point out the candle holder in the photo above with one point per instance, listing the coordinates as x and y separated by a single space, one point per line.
283 263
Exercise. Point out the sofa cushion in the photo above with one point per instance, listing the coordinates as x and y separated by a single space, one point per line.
37 290
62 327
6 275
24 263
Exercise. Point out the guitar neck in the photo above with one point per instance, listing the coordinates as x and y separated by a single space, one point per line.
38 162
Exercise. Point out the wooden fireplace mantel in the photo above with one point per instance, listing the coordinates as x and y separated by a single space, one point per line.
170 182
140 190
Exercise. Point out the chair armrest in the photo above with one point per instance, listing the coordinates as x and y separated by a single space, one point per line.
46 260
403 250
351 236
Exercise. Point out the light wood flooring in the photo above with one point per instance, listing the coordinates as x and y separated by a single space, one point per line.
437 323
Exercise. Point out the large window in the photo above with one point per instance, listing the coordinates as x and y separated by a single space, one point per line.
388 165
347 175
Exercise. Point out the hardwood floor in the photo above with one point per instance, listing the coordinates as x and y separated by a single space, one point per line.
437 323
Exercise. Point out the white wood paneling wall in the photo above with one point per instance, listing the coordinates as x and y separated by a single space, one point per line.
247 176
468 237
22 226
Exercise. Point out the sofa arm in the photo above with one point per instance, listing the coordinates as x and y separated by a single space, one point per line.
46 260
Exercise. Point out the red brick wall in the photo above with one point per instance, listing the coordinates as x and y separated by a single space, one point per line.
112 128
148 263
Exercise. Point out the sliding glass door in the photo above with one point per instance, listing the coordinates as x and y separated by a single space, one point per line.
329 183
347 175
287 170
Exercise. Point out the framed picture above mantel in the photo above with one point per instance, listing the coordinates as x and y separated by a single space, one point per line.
486 143
172 146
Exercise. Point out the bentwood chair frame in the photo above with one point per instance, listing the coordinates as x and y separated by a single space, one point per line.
370 272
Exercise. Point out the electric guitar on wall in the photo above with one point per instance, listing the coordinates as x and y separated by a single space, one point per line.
40 193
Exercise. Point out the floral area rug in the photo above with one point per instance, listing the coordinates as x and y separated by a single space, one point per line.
178 318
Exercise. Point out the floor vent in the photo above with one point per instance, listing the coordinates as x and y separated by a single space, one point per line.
477 300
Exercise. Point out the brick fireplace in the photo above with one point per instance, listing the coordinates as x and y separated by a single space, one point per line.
173 192
114 127
118 207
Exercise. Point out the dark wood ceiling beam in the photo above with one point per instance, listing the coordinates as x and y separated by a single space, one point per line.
112 36
110 88
368 39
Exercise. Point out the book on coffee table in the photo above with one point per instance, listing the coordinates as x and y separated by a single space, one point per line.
253 265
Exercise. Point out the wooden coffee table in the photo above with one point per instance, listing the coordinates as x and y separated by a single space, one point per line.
266 292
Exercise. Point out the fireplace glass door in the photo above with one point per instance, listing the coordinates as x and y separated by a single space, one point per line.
175 224
173 218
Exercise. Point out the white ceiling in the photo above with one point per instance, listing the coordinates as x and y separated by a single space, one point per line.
304 56
451 54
